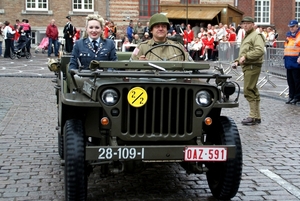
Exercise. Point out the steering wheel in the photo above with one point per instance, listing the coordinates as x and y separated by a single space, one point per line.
166 45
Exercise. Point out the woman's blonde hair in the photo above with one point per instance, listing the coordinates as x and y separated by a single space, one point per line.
96 17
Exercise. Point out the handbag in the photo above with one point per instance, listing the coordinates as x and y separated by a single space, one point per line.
9 35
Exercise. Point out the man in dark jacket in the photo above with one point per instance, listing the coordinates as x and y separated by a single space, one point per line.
130 31
52 34
68 35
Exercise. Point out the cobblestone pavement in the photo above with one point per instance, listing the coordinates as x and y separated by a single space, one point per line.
30 166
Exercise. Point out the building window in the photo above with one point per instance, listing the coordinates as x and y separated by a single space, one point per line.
83 5
297 10
148 7
189 1
37 5
262 11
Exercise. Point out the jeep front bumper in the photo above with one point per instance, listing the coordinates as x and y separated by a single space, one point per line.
166 153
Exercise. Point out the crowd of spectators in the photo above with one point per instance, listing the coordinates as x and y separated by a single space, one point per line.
206 39
136 34
13 35
201 41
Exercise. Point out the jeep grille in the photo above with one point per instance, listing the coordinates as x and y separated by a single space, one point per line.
168 111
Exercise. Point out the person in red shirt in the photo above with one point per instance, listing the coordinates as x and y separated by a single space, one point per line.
77 35
106 29
188 36
17 34
52 34
208 43
231 35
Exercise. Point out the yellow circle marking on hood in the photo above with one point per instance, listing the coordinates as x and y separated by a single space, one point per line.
137 97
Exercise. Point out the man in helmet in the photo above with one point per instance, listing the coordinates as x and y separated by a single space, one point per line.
159 26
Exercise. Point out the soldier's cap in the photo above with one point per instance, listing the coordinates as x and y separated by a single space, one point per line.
248 19
293 23
68 17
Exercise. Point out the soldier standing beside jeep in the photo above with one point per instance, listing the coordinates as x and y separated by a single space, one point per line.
250 59
159 26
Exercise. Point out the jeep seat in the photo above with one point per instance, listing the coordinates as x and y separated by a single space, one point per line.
124 56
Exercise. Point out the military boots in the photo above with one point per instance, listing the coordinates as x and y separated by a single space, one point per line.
254 116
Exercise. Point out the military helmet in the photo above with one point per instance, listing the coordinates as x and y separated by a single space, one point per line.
158 19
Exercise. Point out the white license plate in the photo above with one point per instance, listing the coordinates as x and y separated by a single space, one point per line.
205 154
121 153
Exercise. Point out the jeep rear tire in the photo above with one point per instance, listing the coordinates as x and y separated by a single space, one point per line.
224 177
75 165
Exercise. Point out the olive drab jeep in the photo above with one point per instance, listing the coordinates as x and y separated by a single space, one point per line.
120 115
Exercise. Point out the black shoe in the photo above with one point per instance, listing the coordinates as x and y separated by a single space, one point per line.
295 100
289 101
258 121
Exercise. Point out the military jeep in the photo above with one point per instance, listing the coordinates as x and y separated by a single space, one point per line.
121 115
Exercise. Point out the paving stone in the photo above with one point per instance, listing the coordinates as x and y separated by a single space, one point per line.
30 166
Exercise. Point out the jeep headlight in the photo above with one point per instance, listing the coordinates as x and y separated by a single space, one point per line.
228 88
203 98
109 97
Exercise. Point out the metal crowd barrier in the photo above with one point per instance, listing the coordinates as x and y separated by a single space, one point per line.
227 53
266 70
274 65
280 44
273 62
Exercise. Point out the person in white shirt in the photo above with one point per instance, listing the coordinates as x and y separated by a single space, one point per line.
209 27
8 41
202 32
270 37
195 47
241 35
221 32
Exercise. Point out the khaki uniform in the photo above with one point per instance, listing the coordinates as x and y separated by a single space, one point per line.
167 53
253 48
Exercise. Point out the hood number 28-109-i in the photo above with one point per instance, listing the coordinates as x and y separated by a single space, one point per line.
121 153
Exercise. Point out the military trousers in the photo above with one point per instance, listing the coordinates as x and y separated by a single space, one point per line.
251 75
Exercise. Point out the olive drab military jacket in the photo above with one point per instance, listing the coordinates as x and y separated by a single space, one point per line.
167 53
253 47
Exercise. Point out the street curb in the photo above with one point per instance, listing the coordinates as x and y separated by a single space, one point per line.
28 76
